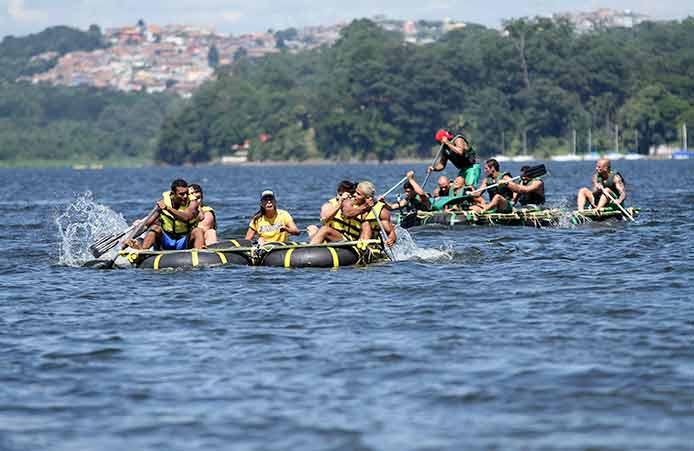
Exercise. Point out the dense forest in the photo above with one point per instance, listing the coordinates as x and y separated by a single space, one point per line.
54 124
373 96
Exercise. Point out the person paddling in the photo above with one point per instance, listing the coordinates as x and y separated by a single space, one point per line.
415 197
443 187
530 192
271 223
500 197
605 181
174 228
458 150
349 222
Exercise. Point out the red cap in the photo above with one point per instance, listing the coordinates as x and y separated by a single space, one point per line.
443 133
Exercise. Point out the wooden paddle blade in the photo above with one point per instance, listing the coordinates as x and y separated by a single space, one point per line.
535 171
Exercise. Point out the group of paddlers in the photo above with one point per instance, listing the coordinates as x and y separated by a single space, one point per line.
182 220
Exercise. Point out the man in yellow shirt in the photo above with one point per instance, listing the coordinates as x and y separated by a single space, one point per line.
271 223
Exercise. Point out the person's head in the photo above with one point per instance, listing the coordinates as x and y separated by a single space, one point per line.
346 186
365 190
409 189
195 192
602 166
268 202
523 171
491 166
458 182
179 192
443 182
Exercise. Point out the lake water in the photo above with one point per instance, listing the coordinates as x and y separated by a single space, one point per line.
483 338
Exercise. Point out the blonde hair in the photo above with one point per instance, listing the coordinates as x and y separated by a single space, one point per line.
367 188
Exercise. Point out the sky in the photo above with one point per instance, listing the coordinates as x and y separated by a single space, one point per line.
21 17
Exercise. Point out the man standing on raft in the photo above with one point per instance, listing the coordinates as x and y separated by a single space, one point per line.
461 153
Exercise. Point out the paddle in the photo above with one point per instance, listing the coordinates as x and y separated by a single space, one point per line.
614 201
433 162
394 186
531 173
105 244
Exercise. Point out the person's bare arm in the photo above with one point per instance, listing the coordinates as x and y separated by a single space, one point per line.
329 210
250 233
622 189
388 227
290 227
366 231
154 217
596 185
529 188
440 164
207 222
349 210
186 215
458 146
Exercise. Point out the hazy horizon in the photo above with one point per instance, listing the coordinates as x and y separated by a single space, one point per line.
22 17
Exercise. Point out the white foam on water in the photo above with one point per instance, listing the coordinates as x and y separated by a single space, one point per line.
566 219
405 248
83 222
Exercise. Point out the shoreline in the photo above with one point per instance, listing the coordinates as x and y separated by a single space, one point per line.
138 164
99 165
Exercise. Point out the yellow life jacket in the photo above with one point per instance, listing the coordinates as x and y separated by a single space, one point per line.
349 228
373 214
170 224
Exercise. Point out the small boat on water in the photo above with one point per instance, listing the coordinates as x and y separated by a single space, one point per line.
523 217
246 253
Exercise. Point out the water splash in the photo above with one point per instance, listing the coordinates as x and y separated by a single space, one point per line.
567 219
406 249
83 222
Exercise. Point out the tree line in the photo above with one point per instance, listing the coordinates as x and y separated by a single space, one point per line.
57 123
371 95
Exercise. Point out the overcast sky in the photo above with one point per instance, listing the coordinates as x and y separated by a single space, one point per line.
21 17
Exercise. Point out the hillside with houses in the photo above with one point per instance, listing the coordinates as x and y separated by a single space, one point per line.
179 58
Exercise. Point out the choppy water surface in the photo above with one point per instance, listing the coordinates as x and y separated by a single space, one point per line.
484 338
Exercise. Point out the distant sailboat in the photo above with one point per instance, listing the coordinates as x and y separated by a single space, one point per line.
683 153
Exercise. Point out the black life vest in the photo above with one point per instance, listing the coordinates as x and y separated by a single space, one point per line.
461 161
503 191
414 204
444 191
534 197
610 183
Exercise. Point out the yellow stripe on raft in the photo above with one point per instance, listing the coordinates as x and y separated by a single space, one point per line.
194 258
336 260
235 243
156 261
222 258
288 258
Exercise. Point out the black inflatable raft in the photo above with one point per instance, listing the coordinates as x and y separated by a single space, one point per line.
244 252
